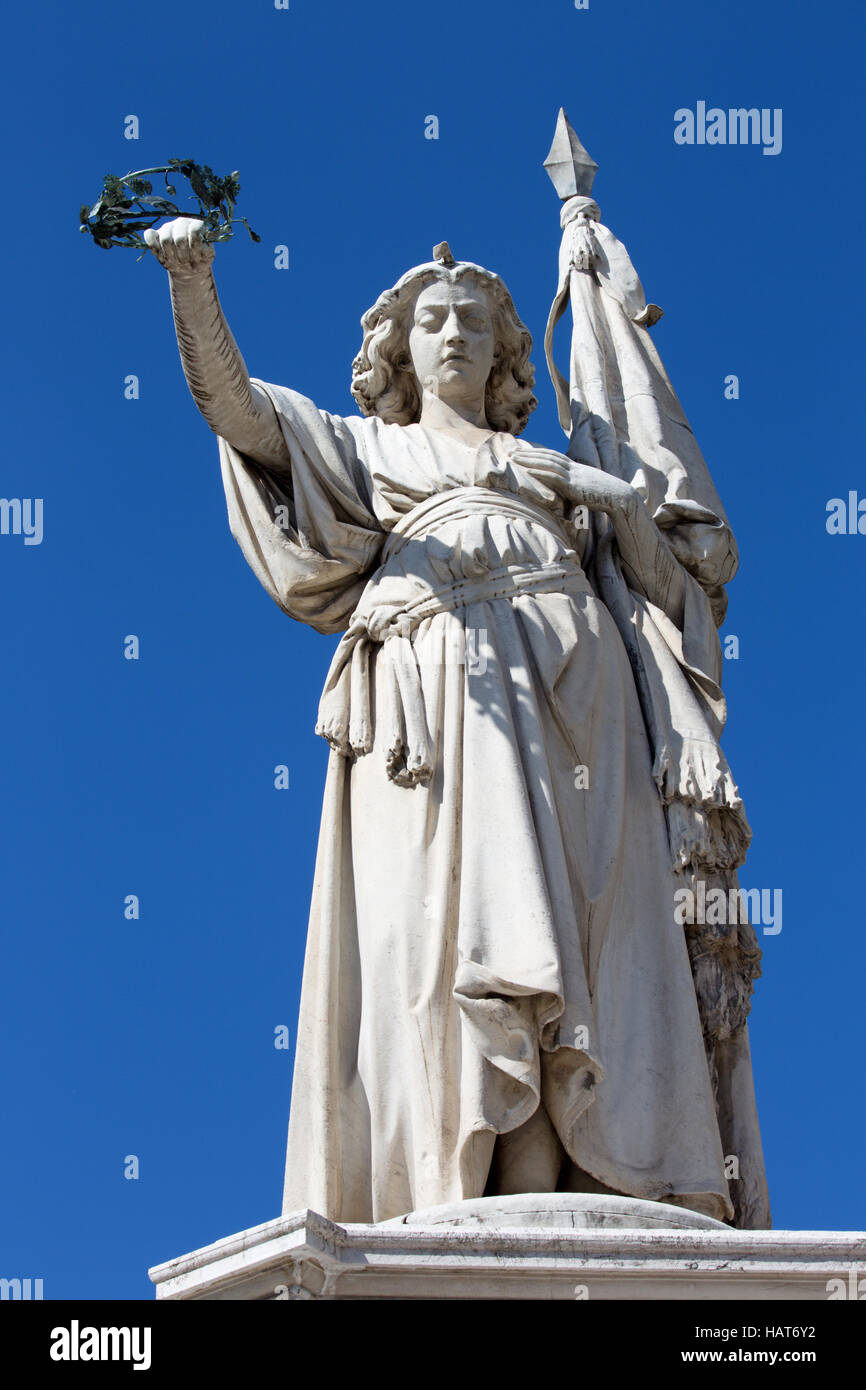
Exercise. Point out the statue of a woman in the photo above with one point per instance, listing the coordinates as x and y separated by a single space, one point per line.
497 995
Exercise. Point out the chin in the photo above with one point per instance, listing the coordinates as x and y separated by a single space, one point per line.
455 371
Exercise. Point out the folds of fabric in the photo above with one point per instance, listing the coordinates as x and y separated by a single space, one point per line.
310 535
504 937
622 415
487 931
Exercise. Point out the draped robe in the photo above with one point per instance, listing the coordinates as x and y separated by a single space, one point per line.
492 923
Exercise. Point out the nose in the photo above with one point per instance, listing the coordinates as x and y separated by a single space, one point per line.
453 331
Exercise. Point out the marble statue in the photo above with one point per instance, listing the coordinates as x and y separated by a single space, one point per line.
523 712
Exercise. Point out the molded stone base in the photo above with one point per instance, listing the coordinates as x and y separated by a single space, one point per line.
544 1246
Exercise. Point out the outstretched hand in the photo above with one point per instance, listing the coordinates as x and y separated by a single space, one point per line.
179 245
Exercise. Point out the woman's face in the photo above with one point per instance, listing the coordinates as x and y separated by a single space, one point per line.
452 341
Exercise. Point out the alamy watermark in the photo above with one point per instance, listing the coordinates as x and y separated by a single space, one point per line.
22 516
846 517
463 646
737 126
849 1287
22 1290
77 1343
716 907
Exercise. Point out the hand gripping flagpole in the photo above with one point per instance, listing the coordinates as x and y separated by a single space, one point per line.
593 266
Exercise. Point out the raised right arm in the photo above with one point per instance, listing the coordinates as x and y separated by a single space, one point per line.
212 363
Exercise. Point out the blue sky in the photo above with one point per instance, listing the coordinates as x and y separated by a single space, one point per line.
155 1037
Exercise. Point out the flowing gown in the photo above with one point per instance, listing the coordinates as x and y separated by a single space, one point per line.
492 924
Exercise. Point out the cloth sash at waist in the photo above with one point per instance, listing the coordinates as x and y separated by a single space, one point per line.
409 586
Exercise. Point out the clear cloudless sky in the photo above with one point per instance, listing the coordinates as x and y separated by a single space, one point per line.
155 1037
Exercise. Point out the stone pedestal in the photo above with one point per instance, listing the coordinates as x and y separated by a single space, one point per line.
537 1246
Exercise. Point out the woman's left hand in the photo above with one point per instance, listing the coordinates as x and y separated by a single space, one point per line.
642 547
578 482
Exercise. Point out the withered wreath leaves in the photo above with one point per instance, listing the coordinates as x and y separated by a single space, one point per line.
127 206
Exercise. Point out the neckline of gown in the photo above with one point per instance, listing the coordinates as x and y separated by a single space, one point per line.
455 438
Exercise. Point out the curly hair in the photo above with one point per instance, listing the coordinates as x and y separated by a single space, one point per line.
383 380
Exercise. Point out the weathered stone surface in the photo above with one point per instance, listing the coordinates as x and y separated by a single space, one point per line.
535 1246
524 713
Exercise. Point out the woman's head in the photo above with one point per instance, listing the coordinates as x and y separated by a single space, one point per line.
452 328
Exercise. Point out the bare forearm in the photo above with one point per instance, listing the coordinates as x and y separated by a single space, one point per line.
216 372
212 363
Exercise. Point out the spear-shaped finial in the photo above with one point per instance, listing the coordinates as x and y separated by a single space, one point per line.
570 167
